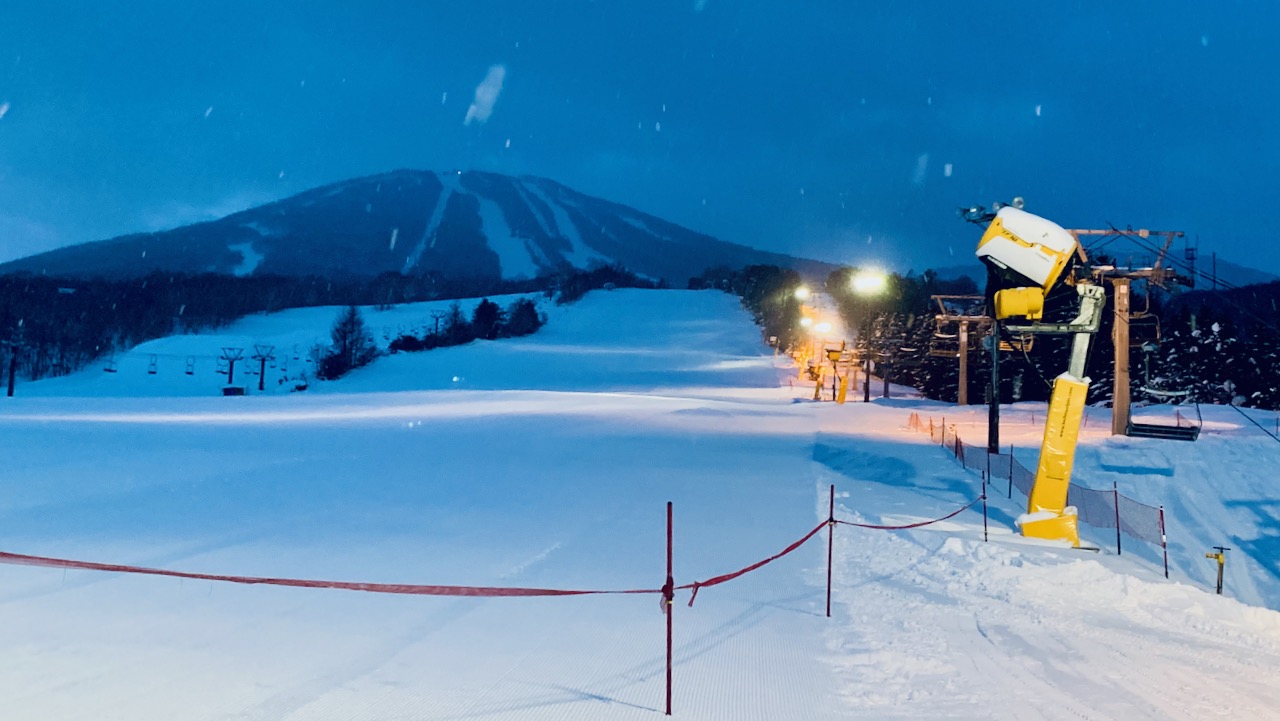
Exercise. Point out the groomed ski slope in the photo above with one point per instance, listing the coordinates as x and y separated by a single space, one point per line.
547 461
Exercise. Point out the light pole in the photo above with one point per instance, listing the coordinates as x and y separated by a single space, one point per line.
801 354
869 284
820 331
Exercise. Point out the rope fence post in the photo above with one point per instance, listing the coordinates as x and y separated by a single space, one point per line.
1164 543
1115 498
831 540
668 595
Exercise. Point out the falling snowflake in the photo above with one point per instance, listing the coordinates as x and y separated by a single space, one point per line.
922 169
208 111
1038 111
946 170
486 96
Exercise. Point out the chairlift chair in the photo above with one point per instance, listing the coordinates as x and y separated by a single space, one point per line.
1144 329
1178 432
944 345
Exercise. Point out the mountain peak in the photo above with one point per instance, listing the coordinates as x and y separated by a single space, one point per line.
454 224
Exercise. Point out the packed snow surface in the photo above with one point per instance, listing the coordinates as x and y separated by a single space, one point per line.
547 462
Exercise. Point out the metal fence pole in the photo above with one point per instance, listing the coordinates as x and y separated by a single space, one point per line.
831 540
1115 496
1164 544
1010 471
668 593
984 514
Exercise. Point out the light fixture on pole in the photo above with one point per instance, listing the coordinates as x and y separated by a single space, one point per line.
869 284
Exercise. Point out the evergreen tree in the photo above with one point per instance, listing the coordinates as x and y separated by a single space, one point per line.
522 318
487 320
457 329
352 346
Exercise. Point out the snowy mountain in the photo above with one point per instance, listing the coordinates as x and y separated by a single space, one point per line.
455 224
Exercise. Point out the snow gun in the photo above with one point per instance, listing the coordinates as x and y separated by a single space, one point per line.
1029 257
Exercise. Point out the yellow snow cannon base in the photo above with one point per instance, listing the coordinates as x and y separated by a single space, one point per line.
1055 528
1057 455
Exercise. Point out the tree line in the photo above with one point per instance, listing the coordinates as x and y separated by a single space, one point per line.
1187 348
53 326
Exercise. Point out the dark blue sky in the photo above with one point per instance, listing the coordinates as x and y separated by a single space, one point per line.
844 130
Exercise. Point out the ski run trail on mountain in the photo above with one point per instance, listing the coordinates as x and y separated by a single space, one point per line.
547 462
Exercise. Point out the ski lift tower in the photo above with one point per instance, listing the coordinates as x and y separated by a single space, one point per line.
957 316
1156 273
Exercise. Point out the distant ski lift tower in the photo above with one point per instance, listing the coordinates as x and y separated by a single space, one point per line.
231 355
262 354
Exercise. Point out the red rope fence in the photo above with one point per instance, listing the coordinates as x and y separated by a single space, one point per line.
904 527
717 580
667 590
401 588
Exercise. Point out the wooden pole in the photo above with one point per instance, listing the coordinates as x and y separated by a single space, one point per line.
962 395
1120 339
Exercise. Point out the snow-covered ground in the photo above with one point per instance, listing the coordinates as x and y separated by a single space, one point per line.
547 461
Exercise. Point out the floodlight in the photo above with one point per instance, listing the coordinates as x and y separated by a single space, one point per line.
869 282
